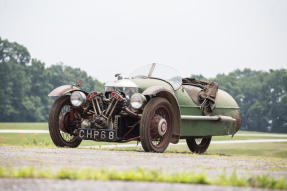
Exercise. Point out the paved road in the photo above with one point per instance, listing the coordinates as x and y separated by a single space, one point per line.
54 185
212 165
57 158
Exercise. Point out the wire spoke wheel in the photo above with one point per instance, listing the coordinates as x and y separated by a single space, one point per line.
62 123
156 125
198 144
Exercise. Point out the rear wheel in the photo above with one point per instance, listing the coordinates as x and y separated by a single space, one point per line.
62 123
198 145
156 125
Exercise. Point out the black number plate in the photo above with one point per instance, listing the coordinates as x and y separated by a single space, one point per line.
98 134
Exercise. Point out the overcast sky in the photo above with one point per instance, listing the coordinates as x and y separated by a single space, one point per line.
114 36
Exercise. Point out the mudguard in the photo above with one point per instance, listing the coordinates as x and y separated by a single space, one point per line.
62 90
160 91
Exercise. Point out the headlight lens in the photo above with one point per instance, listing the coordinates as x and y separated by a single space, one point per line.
137 101
78 98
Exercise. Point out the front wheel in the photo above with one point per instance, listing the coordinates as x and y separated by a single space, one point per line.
156 125
62 123
198 145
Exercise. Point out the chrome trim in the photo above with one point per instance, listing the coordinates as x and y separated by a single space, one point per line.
208 118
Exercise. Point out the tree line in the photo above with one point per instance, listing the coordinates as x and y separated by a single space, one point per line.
261 95
26 82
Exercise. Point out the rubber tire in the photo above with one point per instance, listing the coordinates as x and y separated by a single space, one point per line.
195 148
145 124
54 124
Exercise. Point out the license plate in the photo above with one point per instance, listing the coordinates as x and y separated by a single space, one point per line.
97 134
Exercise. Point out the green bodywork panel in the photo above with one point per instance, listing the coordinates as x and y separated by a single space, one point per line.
224 105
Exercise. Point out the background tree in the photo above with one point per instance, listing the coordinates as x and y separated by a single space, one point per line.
26 83
15 84
261 97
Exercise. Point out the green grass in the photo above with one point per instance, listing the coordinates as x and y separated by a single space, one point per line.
256 132
32 139
226 138
24 139
276 150
24 126
251 149
259 150
139 174
44 140
38 140
44 126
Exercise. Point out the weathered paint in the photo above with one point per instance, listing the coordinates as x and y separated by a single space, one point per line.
62 90
224 105
207 128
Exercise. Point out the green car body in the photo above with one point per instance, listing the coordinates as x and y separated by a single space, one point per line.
225 105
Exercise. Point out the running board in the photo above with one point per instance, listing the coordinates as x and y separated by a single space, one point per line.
208 118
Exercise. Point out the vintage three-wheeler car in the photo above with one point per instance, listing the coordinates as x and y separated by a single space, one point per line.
154 106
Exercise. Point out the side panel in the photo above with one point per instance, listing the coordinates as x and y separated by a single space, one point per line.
225 105
207 128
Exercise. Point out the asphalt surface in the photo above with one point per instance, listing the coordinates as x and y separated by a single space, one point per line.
54 185
212 165
58 158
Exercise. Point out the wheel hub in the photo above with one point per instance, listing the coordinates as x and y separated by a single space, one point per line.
159 125
162 127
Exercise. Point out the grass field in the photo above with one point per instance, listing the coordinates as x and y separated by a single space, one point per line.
255 149
277 150
266 150
24 126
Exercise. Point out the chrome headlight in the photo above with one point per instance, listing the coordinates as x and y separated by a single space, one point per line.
78 98
137 101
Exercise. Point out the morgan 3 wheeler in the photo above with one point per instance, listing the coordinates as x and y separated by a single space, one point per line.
154 106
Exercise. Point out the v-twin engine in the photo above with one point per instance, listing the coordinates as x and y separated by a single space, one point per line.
103 110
